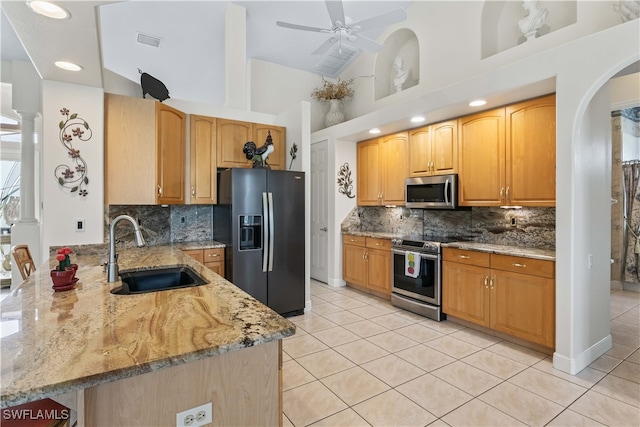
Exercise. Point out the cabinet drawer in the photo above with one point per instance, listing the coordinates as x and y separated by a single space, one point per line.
374 243
534 267
349 239
463 256
211 255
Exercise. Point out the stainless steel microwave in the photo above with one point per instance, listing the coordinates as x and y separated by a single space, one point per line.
432 192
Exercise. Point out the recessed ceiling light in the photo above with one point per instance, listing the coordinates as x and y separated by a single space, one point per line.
374 131
49 10
477 103
69 66
417 119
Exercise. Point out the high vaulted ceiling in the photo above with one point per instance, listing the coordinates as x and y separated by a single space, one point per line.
190 58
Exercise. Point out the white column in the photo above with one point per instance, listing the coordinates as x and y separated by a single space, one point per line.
27 168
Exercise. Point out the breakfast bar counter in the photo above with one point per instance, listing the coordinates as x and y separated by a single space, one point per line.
60 342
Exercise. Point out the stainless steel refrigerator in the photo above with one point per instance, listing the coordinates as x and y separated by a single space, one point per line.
260 218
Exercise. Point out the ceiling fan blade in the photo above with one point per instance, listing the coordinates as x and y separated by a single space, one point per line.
382 20
336 12
324 46
302 27
365 43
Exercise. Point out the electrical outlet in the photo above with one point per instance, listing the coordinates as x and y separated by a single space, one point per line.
195 417
513 221
79 224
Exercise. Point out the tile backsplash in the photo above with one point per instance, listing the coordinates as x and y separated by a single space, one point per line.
533 227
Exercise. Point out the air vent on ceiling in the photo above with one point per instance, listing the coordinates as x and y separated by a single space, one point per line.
149 40
336 59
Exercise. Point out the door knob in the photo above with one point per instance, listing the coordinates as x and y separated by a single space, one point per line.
324 229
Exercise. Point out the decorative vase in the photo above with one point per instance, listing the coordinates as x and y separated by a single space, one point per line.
6 262
62 278
335 114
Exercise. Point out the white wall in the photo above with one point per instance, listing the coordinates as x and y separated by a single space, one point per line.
61 208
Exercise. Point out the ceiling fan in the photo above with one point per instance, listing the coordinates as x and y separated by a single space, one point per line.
344 30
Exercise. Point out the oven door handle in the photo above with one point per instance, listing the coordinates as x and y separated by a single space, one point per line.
426 256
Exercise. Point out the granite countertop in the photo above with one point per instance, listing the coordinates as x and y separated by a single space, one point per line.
207 244
522 251
535 253
57 342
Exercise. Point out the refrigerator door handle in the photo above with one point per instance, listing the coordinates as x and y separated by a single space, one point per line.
265 233
271 233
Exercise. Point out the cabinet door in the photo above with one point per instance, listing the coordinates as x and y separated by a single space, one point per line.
368 173
531 152
130 150
354 267
170 135
420 151
524 306
444 153
394 168
465 292
203 160
379 270
231 136
277 159
481 159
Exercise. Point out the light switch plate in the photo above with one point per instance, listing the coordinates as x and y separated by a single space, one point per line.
79 224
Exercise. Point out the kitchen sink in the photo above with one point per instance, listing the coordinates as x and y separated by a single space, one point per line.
158 279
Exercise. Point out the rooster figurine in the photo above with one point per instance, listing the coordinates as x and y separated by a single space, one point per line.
259 155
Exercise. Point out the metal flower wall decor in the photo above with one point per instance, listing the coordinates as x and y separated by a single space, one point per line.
73 178
345 183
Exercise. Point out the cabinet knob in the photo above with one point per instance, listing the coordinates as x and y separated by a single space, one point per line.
508 196
501 193
325 229
465 256
486 282
491 282
214 255
193 191
517 264
378 244
159 191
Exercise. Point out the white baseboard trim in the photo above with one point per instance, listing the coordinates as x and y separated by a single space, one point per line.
584 359
307 306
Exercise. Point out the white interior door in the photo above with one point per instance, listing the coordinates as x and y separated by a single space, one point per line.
319 212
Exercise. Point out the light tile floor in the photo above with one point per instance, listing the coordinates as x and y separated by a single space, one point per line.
356 360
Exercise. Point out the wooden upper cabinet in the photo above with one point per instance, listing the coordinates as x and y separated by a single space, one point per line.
433 149
394 168
481 159
144 152
507 156
531 152
277 160
368 174
233 134
203 186
382 169
170 134
420 151
230 139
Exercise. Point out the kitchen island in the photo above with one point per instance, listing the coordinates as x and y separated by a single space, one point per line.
140 359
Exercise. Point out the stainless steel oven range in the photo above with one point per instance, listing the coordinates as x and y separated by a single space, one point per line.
417 283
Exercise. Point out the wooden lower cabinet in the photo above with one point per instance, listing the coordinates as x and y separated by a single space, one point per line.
366 264
212 258
509 294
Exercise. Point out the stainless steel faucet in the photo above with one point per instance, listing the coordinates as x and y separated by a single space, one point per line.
112 265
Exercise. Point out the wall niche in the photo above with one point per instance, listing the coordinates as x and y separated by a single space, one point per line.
500 30
401 44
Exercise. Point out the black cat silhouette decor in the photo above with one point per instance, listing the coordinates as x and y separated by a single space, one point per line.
152 86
